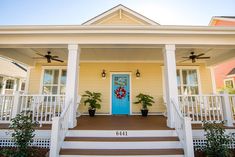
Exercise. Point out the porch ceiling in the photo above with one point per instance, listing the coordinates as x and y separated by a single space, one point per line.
120 54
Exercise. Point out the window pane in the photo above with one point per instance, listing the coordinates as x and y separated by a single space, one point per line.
179 90
48 77
229 83
62 89
9 84
185 90
63 77
46 90
194 90
56 77
22 86
54 90
184 74
178 77
193 77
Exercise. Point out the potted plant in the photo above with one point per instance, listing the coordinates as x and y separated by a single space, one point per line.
93 99
145 100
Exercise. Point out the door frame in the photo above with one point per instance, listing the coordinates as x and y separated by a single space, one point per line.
130 88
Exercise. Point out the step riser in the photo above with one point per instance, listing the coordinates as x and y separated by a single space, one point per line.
122 145
121 133
122 156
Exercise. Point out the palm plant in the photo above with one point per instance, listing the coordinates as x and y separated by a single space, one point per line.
93 99
145 100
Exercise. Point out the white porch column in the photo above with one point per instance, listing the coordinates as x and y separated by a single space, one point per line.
170 82
72 81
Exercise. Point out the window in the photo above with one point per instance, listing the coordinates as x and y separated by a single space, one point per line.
22 88
187 81
9 84
229 83
54 81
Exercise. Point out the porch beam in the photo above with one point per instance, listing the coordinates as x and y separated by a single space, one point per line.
170 81
72 81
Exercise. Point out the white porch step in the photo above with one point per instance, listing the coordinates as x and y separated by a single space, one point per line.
122 153
122 143
121 133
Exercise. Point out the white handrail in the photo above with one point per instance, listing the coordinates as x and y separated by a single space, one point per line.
184 130
58 131
60 127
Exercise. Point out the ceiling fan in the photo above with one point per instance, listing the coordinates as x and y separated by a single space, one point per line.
194 57
49 57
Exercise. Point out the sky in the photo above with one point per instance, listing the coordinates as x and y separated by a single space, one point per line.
75 12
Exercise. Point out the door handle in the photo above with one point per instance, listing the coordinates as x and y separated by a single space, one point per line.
128 96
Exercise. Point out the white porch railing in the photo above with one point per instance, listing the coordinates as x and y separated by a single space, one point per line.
202 107
60 127
6 106
43 107
232 102
184 130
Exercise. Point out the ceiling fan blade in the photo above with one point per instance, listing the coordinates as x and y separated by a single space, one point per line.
200 54
57 60
204 58
184 60
40 54
54 56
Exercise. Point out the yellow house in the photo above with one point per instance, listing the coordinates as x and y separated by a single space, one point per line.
121 54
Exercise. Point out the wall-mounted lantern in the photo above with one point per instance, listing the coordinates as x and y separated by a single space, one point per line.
103 74
137 74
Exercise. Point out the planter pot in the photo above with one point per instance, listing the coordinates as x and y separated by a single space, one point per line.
144 113
91 112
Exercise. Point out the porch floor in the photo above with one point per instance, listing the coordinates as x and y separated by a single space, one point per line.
100 122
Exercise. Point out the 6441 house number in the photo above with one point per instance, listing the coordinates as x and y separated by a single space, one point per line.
121 133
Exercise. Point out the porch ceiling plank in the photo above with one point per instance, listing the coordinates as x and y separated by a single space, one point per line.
222 58
16 56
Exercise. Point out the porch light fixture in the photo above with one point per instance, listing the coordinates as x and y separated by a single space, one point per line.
137 74
103 74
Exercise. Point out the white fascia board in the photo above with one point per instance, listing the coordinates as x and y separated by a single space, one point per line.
60 29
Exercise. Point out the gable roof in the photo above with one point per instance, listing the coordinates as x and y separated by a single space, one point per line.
222 21
121 10
232 72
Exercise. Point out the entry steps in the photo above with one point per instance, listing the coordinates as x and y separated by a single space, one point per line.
121 143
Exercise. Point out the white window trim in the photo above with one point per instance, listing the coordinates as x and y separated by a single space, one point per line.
197 68
60 68
198 75
229 79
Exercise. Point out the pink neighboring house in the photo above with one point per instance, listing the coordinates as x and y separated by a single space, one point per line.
225 72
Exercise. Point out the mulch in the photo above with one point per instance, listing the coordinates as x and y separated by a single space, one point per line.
199 153
36 152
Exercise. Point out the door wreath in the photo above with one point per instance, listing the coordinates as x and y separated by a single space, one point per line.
120 93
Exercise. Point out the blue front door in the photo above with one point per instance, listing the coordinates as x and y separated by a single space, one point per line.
120 94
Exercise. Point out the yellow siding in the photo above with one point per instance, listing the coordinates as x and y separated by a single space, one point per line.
206 83
34 81
149 83
117 19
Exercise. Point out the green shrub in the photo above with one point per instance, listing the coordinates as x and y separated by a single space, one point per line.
217 142
23 127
